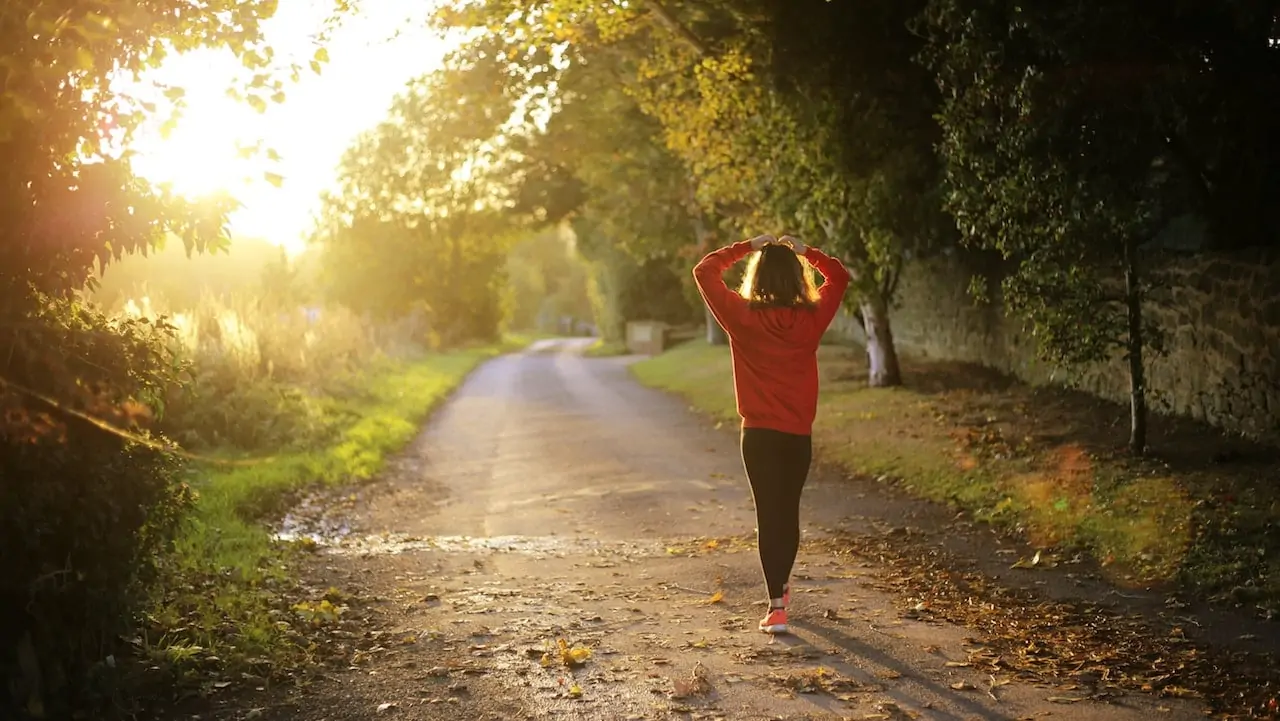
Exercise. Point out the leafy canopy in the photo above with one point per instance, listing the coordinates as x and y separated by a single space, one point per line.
418 223
68 197
1055 159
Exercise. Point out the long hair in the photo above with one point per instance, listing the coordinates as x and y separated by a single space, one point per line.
777 278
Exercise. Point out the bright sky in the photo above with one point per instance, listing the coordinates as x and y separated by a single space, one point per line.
372 56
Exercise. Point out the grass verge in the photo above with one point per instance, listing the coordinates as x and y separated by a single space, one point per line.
227 607
1199 515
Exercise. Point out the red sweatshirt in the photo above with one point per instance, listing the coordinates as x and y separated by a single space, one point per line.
775 350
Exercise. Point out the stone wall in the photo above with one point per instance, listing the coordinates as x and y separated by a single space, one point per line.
1220 315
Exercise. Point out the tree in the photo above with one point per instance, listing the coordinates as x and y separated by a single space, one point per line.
578 150
69 201
631 206
1057 140
88 507
69 196
821 145
418 223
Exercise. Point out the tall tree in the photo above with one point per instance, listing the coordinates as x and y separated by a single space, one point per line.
772 142
631 203
1061 129
578 149
86 511
418 223
69 200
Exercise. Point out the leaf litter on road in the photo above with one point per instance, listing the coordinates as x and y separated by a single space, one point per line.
1036 639
818 680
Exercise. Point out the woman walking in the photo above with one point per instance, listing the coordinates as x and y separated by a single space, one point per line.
774 323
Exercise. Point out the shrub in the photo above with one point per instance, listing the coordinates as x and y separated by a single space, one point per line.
85 512
259 373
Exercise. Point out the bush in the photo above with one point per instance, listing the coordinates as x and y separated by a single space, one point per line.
85 512
259 375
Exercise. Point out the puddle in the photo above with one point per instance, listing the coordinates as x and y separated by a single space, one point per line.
311 521
323 521
340 540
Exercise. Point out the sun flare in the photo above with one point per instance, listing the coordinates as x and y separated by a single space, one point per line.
202 155
278 162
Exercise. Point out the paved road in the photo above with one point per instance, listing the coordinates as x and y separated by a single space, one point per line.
555 499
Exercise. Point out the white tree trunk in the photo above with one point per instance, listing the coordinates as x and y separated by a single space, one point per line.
882 356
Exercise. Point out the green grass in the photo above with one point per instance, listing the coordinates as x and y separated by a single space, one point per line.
950 439
393 401
227 572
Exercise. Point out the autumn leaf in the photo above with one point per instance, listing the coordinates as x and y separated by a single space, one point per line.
569 656
1024 563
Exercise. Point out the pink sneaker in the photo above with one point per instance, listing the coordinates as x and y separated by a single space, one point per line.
775 621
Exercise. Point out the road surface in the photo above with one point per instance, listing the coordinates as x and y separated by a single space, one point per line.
554 498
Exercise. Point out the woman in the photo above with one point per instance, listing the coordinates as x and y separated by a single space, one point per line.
774 323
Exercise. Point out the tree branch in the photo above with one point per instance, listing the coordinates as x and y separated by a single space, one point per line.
664 17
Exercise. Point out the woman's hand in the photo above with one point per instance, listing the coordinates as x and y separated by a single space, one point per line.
760 241
798 247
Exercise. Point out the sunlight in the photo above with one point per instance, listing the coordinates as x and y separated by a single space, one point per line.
300 140
201 155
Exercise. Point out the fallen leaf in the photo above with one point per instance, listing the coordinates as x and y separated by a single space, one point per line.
716 597
385 707
1178 692
1064 699
567 655
1023 563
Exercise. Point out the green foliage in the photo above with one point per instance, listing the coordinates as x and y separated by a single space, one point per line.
623 288
1073 135
417 224
1049 163
807 117
67 193
86 510
86 514
546 280
258 371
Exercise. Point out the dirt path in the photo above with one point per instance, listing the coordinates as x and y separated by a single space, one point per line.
555 499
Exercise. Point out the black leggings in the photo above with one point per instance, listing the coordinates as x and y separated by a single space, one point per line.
777 465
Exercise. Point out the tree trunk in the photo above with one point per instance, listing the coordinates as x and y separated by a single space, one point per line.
715 334
882 356
1133 349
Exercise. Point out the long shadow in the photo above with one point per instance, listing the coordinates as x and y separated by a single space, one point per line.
969 707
